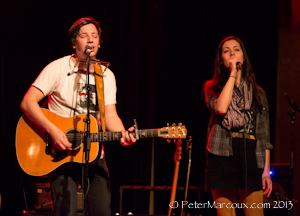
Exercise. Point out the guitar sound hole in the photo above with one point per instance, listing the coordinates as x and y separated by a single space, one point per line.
75 138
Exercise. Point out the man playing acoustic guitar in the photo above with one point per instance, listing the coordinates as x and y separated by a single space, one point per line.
64 81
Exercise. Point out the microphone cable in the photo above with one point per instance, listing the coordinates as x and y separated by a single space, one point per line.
24 193
245 150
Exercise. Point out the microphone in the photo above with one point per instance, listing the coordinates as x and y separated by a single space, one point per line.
292 104
238 65
75 70
88 49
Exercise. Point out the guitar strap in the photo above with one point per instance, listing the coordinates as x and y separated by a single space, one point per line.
100 94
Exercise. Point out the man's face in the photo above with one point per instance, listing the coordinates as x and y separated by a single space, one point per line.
87 34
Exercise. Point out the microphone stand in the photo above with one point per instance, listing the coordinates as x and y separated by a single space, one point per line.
292 111
87 141
189 151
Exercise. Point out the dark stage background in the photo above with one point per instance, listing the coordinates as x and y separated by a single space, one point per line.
161 52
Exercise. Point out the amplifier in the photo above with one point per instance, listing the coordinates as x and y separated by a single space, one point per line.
279 169
43 201
44 214
280 175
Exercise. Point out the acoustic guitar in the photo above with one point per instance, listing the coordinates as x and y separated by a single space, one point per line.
177 158
37 155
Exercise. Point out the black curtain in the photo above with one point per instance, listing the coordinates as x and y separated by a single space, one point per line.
161 52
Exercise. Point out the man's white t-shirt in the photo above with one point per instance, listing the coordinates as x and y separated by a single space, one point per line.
67 93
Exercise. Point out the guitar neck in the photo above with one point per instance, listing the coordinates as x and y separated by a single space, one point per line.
112 136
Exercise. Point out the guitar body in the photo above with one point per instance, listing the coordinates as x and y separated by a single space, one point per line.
37 155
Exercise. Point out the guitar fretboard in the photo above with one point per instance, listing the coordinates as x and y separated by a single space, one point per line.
112 136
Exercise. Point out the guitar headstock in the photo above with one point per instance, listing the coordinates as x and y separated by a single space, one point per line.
173 132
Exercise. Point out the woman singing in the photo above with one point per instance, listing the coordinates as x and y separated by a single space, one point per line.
238 144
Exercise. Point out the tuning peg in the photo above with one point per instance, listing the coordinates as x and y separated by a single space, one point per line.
173 126
179 125
168 140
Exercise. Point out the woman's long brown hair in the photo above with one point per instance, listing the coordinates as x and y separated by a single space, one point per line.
215 86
